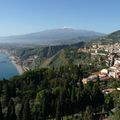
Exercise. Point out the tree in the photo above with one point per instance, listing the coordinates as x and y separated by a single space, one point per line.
73 94
7 94
1 113
116 114
20 114
98 79
98 97
26 111
112 61
88 115
13 89
81 86
108 102
44 109
37 113
58 111
11 115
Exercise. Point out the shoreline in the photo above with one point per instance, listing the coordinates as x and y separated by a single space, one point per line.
15 61
19 68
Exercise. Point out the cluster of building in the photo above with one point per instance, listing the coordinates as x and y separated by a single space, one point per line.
99 49
112 53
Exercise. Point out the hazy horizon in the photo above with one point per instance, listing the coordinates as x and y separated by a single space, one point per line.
27 33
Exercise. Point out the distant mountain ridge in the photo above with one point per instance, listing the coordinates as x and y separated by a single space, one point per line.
53 37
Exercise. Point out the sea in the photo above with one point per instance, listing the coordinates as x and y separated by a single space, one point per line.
7 68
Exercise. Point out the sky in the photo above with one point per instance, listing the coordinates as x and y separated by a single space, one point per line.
27 16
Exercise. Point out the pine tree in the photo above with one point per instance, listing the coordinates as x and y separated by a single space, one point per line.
26 111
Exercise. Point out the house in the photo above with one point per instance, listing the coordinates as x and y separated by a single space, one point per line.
104 71
85 80
112 72
109 90
93 77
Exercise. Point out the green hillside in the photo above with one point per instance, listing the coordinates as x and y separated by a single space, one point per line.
109 39
56 56
49 56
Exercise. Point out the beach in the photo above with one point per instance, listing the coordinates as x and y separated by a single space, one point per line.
19 67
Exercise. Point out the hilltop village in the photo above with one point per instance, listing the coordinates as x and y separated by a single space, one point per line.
112 55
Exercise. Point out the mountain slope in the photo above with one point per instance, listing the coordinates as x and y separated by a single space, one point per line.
47 56
110 38
53 37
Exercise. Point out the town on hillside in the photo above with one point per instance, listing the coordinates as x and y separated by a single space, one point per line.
112 55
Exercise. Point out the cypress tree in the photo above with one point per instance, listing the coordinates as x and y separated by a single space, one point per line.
73 100
1 113
73 94
11 115
116 115
44 114
37 113
7 94
98 80
20 114
81 86
13 90
88 115
26 111
58 111
98 97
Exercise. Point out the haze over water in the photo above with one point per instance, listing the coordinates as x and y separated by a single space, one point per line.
7 69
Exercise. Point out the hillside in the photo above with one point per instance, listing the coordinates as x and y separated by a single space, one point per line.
53 37
110 38
54 56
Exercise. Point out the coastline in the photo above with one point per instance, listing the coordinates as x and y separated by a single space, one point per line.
18 66
16 62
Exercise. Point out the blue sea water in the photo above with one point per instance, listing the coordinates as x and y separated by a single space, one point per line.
7 69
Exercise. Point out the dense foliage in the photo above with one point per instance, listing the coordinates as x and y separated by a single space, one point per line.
49 93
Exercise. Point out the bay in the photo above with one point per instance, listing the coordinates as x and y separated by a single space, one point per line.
7 68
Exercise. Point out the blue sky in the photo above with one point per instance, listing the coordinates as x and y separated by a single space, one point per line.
26 16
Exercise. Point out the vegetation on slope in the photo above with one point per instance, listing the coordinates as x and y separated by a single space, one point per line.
57 93
108 39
